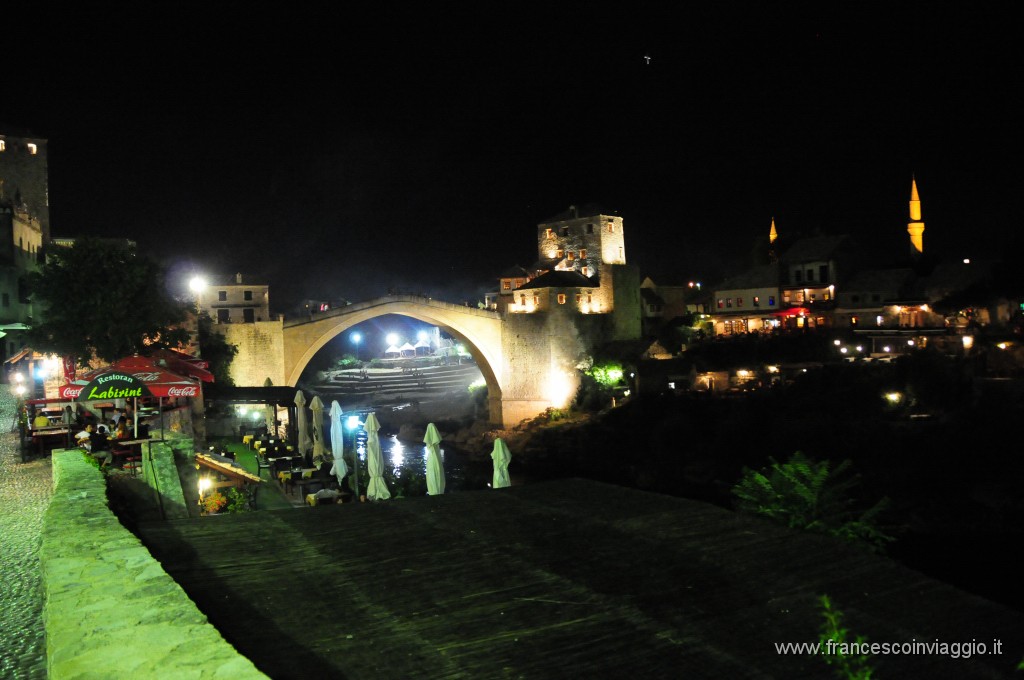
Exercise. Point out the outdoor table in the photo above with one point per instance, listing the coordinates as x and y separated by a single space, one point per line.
47 439
247 440
128 451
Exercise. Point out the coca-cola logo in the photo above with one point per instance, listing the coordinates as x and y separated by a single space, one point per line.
70 392
181 391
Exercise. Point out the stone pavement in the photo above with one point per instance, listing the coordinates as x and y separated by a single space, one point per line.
25 490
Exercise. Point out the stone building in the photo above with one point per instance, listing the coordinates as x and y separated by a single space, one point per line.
234 300
24 229
580 270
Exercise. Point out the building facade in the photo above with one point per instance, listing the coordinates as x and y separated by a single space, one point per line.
24 230
234 300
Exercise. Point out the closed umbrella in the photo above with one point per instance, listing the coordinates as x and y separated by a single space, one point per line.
376 490
435 469
339 469
319 450
304 443
270 413
501 457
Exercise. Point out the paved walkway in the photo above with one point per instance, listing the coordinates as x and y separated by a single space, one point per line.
25 490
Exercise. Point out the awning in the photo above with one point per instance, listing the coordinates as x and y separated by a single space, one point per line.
133 376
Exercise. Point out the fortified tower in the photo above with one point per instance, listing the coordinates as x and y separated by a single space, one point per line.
915 227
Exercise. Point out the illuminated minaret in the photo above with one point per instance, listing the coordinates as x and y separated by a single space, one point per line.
772 235
915 227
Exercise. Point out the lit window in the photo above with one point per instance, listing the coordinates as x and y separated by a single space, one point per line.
506 284
561 298
757 301
579 298
3 145
571 255
32 149
728 302
590 298
611 227
771 300
522 299
583 254
559 254
721 303
585 271
536 301
549 233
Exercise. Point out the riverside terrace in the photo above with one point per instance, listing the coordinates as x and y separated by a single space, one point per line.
567 578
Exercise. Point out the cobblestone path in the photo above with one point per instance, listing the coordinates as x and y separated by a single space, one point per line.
25 490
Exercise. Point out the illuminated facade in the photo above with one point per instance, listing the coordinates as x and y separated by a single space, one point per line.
235 300
24 230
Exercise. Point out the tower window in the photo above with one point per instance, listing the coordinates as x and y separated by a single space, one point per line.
621 254
549 233
561 298
571 255
506 284
247 295
611 227
222 296
583 254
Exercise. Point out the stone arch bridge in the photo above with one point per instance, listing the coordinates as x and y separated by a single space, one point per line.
517 355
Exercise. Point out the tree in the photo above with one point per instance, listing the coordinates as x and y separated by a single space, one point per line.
100 298
216 351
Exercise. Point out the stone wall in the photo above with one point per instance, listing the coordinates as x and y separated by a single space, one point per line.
260 351
111 610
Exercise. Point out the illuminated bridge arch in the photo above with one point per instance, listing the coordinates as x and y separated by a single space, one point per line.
478 329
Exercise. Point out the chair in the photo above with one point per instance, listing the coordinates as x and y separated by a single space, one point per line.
261 464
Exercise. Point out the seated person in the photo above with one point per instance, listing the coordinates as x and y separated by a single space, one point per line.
122 430
40 421
99 445
84 437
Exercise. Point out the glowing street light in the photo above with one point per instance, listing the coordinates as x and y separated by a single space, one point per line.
356 338
392 339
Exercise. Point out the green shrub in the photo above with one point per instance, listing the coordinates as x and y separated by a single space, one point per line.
837 647
809 495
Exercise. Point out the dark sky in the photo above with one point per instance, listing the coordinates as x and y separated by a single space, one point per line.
417 146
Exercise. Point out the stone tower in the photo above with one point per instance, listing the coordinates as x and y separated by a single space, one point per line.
915 227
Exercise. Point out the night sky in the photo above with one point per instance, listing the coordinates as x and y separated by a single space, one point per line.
416 147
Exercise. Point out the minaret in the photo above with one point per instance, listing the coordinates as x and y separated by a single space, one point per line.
772 235
915 227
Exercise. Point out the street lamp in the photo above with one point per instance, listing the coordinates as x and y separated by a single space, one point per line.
356 339
197 284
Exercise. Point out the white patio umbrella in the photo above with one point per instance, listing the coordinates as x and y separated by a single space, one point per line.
302 423
501 457
435 468
319 450
339 469
270 413
376 490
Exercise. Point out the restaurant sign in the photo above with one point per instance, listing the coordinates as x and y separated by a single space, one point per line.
112 386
